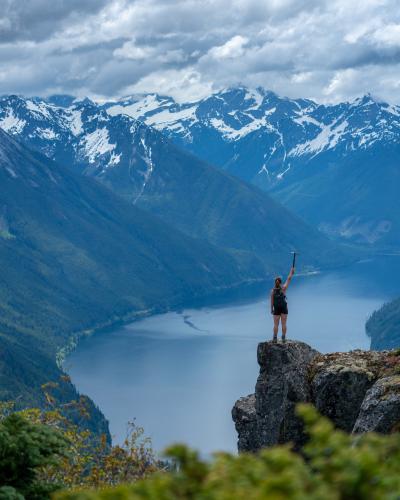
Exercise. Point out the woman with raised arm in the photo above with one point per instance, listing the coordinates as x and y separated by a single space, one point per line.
279 307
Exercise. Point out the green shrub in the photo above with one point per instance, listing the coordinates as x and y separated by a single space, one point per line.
39 451
48 451
26 448
335 466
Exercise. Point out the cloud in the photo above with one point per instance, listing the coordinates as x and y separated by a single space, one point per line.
39 19
231 49
130 50
326 50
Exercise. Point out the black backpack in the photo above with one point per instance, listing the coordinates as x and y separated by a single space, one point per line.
279 298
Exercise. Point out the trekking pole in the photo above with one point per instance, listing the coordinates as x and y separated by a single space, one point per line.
294 258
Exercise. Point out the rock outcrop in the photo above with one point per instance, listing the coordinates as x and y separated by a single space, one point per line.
359 391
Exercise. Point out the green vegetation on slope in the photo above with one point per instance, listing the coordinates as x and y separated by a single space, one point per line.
25 449
147 169
355 198
207 203
384 326
333 466
79 257
42 451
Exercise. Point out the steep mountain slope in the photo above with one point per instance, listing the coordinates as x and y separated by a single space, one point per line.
74 255
384 326
145 168
337 166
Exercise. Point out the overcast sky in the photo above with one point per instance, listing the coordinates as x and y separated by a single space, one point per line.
326 50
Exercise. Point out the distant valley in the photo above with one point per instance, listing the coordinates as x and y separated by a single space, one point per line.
123 209
103 219
76 257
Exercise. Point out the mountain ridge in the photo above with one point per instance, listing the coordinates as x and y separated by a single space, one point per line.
303 153
140 164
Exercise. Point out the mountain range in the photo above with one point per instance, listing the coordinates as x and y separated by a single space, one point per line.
337 166
111 211
103 219
149 171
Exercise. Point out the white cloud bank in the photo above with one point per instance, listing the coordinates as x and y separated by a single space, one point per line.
327 50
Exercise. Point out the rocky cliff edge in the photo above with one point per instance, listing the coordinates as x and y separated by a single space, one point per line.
358 390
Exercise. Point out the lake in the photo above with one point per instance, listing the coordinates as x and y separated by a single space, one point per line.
179 374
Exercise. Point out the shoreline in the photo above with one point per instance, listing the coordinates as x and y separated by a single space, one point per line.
218 296
239 292
130 351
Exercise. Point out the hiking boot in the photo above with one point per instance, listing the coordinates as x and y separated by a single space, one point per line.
284 339
275 339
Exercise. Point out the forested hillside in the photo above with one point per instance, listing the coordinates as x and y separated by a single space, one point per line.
75 256
384 326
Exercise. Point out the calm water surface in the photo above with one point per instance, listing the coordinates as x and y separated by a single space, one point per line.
178 374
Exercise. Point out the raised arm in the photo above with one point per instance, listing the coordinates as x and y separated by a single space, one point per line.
289 278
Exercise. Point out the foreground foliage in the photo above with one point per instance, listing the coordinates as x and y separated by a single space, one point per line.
335 466
42 451
25 448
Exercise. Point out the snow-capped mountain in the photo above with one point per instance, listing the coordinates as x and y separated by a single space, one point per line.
147 169
330 164
279 132
85 137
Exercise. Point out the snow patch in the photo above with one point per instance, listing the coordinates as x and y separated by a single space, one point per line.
115 159
394 110
367 138
137 109
301 119
280 175
328 138
11 171
46 133
74 119
150 167
97 144
37 108
264 169
255 96
232 134
169 119
269 112
11 123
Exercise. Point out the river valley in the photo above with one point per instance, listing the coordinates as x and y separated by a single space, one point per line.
178 374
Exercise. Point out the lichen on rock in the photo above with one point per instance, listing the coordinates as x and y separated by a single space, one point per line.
358 390
380 409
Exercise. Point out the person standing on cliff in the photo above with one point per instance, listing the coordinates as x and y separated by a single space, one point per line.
279 307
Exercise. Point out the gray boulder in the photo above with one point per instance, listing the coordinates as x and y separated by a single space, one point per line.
281 384
339 384
244 416
358 390
268 417
380 410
